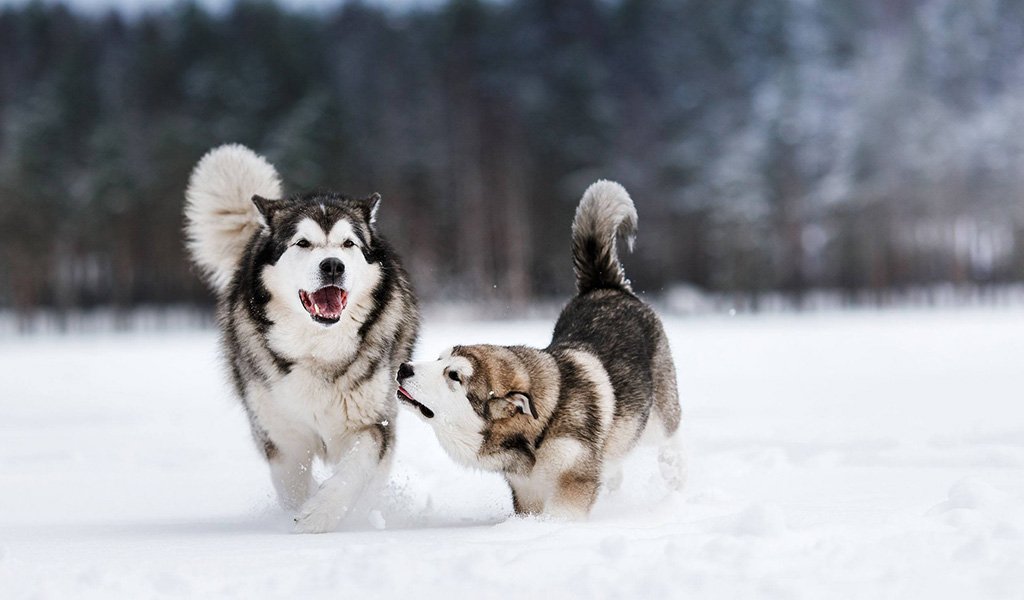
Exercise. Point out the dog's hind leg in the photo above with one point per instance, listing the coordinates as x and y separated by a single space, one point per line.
362 457
671 456
666 392
665 423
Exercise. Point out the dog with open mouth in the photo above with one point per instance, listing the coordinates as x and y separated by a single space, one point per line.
558 421
316 315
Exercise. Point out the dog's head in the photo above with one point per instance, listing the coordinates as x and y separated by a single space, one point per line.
321 252
468 392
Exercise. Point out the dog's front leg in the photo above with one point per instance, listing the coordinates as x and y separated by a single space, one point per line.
526 498
575 493
364 455
290 456
290 470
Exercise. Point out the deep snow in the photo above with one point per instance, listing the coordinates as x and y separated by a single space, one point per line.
857 455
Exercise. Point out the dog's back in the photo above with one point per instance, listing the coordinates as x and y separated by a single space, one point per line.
607 319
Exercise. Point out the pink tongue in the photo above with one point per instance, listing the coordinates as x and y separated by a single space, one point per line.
328 299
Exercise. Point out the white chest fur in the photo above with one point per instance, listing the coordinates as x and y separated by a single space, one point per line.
306 409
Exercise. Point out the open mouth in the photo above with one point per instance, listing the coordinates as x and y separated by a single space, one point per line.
325 304
406 397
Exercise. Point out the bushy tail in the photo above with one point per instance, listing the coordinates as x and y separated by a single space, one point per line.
220 216
605 213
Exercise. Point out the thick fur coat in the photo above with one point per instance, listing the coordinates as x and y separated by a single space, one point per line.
557 421
316 314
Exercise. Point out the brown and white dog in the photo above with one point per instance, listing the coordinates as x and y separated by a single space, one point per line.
557 422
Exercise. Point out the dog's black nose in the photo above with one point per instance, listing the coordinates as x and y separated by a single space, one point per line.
404 371
331 267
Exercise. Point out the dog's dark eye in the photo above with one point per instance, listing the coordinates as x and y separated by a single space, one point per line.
453 376
303 243
348 244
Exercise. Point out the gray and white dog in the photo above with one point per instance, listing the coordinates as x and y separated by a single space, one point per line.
316 315
558 421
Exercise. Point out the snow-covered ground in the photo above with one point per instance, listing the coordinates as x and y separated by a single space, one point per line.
831 456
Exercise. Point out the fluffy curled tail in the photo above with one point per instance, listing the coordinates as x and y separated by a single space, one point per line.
219 213
605 213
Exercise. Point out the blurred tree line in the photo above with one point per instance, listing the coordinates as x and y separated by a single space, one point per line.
772 145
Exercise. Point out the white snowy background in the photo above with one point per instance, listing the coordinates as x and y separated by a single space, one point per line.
850 455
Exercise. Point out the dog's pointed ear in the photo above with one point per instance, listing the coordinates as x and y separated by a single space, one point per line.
523 403
370 204
267 207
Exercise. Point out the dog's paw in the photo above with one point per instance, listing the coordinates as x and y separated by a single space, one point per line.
316 522
672 464
314 517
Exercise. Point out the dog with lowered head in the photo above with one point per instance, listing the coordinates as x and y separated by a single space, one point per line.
558 421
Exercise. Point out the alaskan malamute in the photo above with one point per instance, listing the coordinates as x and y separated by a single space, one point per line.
557 422
316 315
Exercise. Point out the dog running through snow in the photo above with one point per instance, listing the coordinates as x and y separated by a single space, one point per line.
316 314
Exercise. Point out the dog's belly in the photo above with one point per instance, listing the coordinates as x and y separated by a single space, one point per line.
306 410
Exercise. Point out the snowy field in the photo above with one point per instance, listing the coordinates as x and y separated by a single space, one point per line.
856 455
